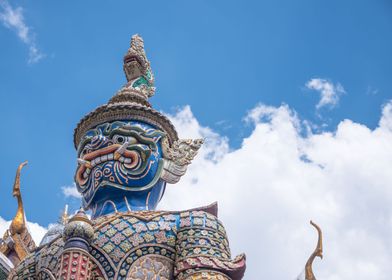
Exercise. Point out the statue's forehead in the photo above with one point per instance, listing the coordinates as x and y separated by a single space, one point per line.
123 124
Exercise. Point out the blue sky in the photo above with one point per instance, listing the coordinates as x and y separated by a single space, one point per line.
220 57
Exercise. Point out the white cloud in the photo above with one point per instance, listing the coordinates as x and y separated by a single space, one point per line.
13 19
71 191
36 231
386 118
280 178
329 93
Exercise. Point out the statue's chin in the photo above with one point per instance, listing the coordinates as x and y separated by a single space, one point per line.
107 185
124 198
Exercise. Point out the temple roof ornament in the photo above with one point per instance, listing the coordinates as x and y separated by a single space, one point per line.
17 241
318 252
18 224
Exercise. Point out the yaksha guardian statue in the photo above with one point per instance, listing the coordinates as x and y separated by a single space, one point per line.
127 153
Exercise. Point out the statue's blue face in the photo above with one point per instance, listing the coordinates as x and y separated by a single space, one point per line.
120 157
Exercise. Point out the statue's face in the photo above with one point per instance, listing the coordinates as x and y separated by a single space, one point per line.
125 155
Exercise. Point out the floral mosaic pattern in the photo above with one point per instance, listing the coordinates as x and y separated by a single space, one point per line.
154 268
173 245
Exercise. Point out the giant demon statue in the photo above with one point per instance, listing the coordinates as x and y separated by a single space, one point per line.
127 152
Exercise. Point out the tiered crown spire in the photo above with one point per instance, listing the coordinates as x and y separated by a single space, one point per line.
131 101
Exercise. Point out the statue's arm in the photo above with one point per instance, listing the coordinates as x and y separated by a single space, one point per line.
203 250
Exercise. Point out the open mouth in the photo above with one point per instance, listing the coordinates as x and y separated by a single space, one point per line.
117 152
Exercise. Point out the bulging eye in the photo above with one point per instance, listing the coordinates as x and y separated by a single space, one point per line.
119 139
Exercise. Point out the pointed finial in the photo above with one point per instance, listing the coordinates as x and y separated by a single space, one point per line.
64 217
18 241
18 224
137 43
318 252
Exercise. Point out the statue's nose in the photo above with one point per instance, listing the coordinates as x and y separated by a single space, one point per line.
97 138
99 141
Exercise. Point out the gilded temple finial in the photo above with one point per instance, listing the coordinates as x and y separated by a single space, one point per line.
18 224
64 216
18 242
318 252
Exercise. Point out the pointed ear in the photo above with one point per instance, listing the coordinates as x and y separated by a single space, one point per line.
182 151
177 157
